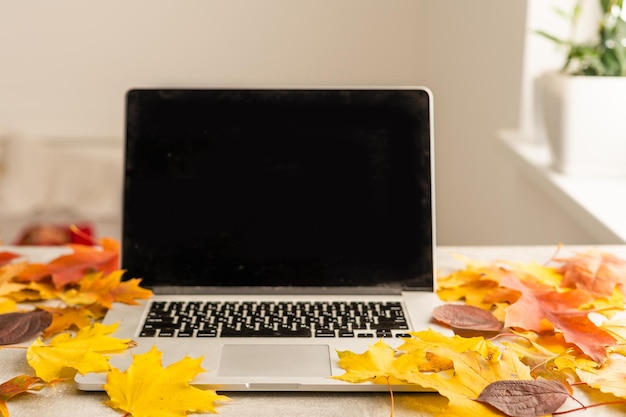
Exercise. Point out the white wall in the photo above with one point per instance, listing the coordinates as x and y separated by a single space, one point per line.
66 65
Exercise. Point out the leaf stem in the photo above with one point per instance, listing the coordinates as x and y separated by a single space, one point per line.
392 398
584 407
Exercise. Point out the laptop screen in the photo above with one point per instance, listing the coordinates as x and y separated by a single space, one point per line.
278 187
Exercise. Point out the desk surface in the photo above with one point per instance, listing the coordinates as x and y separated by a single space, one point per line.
64 400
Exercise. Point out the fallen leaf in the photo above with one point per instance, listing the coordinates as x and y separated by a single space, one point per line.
539 305
466 317
68 269
17 385
85 352
427 340
525 398
106 289
609 378
17 327
377 365
461 383
71 318
146 389
471 374
7 257
594 271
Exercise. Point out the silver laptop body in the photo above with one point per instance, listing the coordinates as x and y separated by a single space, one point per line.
243 202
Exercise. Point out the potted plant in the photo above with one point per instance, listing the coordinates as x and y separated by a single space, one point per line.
584 103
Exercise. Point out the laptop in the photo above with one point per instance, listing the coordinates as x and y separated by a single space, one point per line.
259 215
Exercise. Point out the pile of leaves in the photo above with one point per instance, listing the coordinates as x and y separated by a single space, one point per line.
524 335
60 305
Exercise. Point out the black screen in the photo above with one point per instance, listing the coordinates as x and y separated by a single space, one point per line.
266 187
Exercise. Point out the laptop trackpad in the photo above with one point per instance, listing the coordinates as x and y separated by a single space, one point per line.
274 360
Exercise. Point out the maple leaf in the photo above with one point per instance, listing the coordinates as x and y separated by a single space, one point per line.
106 289
461 383
7 275
557 364
85 352
477 282
146 389
377 365
7 257
594 271
7 305
426 340
36 291
539 305
68 269
608 378
471 284
17 385
67 318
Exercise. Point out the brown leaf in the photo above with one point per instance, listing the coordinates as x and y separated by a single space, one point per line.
20 326
467 317
519 398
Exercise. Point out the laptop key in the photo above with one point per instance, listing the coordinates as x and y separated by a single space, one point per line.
207 333
264 332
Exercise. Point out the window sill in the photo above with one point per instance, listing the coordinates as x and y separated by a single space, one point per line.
597 204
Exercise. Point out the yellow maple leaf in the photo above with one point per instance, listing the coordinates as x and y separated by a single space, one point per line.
7 276
66 318
85 352
106 289
478 280
426 340
146 389
375 364
7 305
461 383
608 378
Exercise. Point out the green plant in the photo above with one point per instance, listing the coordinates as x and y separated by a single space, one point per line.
605 55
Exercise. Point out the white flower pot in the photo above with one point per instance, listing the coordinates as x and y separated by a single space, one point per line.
585 123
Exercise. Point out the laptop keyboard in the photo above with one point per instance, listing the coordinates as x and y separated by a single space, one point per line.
275 319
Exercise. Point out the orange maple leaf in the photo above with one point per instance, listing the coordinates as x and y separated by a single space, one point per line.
539 306
594 271
68 269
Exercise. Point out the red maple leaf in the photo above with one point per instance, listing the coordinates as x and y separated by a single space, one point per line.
539 302
69 269
6 257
